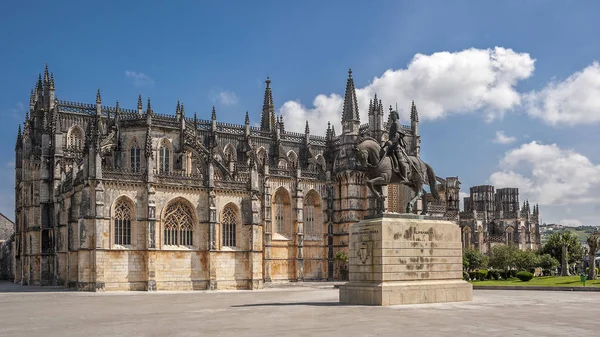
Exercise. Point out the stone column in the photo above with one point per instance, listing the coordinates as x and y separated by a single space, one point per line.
256 275
212 224
151 240
267 217
300 235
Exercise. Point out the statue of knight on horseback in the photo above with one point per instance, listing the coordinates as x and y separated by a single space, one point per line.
390 164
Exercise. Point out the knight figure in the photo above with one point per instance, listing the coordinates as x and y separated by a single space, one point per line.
395 145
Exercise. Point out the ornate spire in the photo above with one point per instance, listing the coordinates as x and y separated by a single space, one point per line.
98 97
31 99
178 110
350 112
26 115
117 111
414 114
52 81
247 119
307 128
328 132
148 146
213 115
149 108
46 77
39 86
268 120
182 111
19 138
389 121
195 122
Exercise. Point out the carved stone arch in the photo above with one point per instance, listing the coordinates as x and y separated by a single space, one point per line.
313 215
261 156
178 223
321 163
122 227
282 212
292 158
230 153
230 221
75 138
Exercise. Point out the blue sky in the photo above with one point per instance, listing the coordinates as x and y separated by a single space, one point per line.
541 87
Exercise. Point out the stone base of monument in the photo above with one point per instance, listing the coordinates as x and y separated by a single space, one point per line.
405 259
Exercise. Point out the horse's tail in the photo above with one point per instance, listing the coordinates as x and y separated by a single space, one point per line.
432 181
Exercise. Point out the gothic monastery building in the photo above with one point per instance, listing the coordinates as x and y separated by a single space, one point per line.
109 198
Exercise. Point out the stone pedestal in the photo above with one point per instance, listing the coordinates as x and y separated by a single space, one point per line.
405 259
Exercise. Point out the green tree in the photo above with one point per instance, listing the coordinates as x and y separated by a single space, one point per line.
547 262
566 248
503 257
474 259
525 260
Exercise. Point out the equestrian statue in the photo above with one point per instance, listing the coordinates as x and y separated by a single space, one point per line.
390 164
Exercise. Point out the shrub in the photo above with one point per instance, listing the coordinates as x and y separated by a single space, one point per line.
493 274
472 275
587 270
466 276
513 273
524 276
481 274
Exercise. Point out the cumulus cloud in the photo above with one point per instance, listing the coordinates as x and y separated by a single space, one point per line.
501 138
441 84
549 175
573 101
227 98
139 79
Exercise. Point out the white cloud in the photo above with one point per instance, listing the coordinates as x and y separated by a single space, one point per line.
501 138
573 101
139 79
227 98
441 84
570 222
549 175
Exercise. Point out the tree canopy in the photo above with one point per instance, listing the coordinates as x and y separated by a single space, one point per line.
575 249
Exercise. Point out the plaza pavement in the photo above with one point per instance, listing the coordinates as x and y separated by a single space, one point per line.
309 309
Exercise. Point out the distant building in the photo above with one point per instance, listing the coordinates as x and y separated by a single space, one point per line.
7 228
495 217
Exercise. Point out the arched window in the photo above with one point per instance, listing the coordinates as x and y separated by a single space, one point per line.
261 156
178 225
163 157
293 158
122 221
311 215
228 225
466 238
281 212
75 140
134 156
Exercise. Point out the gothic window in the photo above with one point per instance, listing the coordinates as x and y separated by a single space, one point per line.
163 157
75 140
261 156
230 153
312 217
122 219
134 156
293 158
178 225
281 209
228 225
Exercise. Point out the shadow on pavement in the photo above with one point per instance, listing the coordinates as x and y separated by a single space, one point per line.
9 287
276 304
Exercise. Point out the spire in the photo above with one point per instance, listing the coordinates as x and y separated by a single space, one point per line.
19 138
46 77
389 121
247 119
148 146
371 107
195 122
98 97
39 86
26 115
52 81
149 108
139 105
31 99
213 115
178 111
328 132
267 120
182 111
414 114
117 111
350 112
307 128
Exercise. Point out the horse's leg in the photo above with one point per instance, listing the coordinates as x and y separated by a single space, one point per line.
376 181
424 201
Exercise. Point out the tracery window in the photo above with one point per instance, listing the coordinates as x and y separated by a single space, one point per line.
228 225
279 213
163 157
178 225
122 221
75 140
309 214
135 156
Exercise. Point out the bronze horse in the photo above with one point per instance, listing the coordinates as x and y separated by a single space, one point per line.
378 167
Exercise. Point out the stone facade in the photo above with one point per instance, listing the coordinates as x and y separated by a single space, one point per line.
109 198
495 217
7 230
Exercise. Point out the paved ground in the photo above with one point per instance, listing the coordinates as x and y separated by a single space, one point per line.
311 309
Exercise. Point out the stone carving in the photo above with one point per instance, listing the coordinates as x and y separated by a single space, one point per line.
371 157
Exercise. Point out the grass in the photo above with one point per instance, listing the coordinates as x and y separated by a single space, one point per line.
544 281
